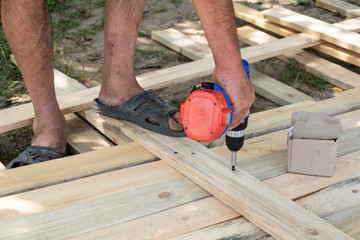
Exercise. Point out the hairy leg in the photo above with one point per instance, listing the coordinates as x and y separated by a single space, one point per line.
27 27
218 20
122 21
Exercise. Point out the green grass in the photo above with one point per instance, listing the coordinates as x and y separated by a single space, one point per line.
160 9
293 73
176 2
86 32
10 76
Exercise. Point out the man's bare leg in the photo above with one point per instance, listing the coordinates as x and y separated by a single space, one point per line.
27 27
122 21
218 20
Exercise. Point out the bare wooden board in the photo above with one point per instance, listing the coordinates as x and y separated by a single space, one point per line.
49 201
107 210
81 137
66 169
315 27
339 53
61 195
2 167
180 43
275 90
169 223
326 203
115 135
257 18
318 66
276 163
279 118
264 85
281 217
22 115
276 141
342 7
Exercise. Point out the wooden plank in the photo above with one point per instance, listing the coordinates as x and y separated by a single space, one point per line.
255 17
114 135
48 202
318 66
107 210
276 163
61 195
180 43
2 167
344 8
264 85
23 115
279 118
276 141
169 223
81 137
86 164
185 217
339 53
348 221
331 205
315 27
275 90
281 218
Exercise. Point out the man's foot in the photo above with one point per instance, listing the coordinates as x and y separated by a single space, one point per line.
118 95
49 131
147 110
35 154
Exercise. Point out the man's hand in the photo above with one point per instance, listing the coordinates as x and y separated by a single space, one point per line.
218 20
239 89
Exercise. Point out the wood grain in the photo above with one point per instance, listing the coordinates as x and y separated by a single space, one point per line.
255 17
66 169
315 27
336 6
264 85
281 218
331 72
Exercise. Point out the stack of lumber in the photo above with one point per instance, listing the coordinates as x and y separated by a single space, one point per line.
130 183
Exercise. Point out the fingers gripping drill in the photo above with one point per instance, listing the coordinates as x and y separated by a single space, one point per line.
207 114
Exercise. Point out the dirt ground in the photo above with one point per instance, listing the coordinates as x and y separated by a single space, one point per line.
151 55
82 57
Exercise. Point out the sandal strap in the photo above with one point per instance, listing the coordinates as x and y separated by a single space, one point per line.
35 154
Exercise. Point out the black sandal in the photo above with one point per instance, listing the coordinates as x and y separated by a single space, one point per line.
139 109
35 154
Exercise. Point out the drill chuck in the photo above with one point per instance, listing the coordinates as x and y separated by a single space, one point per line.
235 139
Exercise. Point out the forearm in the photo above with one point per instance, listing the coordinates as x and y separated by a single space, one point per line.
218 20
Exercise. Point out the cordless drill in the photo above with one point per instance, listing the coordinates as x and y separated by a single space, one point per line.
207 114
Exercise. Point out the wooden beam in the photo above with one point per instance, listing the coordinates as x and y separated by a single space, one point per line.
23 115
331 72
264 85
276 141
279 118
328 203
315 27
336 6
2 167
255 17
272 212
66 169
182 44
